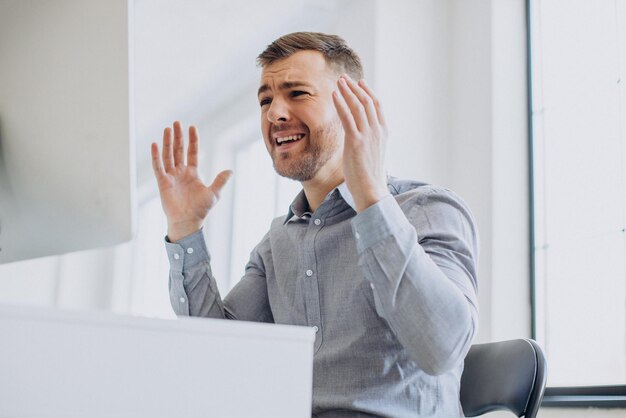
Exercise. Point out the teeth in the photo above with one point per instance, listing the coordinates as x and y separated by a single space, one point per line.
289 138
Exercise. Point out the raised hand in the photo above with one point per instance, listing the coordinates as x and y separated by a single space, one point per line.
185 198
365 138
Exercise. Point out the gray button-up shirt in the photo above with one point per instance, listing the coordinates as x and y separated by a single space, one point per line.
392 292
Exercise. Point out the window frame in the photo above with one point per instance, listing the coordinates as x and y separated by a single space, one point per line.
607 396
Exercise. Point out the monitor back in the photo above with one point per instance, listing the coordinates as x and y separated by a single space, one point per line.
66 126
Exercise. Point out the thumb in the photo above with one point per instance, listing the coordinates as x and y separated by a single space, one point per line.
220 180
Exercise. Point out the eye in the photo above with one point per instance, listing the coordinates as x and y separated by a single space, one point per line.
297 93
265 101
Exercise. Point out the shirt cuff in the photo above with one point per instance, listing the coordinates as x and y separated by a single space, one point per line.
377 222
187 252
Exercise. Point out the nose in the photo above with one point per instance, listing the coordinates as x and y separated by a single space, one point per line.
278 111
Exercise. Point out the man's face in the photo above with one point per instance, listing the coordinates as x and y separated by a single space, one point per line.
300 124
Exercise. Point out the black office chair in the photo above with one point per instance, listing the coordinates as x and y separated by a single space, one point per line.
505 375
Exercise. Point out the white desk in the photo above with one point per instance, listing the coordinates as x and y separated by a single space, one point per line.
77 364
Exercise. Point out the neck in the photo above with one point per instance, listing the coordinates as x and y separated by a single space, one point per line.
319 186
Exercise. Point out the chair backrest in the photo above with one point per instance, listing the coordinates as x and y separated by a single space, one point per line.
505 375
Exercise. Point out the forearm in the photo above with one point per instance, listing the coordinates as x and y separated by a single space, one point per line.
192 287
194 292
428 298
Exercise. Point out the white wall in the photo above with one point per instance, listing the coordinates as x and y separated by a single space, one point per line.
454 93
411 80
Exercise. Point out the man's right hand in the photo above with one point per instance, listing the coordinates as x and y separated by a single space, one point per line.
185 198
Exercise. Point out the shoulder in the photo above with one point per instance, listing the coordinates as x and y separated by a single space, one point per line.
434 210
412 195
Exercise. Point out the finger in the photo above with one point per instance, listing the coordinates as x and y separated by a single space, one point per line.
156 161
375 101
168 160
179 146
364 98
220 181
192 151
345 115
355 106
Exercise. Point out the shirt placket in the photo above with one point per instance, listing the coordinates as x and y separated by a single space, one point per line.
310 276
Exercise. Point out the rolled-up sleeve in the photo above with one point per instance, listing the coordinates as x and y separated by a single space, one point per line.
420 256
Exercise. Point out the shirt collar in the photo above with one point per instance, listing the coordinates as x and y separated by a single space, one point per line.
300 206
346 195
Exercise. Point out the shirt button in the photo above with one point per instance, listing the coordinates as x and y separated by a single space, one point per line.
189 250
182 299
176 256
357 235
317 222
309 273
315 328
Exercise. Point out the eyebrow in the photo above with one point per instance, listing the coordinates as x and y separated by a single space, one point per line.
283 86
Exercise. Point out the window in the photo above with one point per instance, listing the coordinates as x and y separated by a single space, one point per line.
578 104
259 196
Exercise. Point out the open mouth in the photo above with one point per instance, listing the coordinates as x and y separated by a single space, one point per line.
280 140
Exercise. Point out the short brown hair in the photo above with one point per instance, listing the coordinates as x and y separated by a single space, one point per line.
335 50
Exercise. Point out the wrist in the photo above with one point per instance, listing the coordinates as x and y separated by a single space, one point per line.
363 202
177 231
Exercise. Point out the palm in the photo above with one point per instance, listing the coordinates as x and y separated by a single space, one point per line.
364 146
184 195
185 198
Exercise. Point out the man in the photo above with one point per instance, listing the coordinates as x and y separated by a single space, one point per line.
383 269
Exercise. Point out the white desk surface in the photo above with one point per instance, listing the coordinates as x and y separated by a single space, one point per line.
95 364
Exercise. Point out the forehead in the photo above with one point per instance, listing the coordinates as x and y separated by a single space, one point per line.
301 66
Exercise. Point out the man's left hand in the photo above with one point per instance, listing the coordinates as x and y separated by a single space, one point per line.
365 138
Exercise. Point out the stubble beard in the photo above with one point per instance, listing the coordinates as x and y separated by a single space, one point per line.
320 147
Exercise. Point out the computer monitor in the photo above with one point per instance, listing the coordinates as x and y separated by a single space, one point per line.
66 126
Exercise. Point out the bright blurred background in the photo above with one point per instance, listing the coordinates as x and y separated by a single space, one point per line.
452 77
